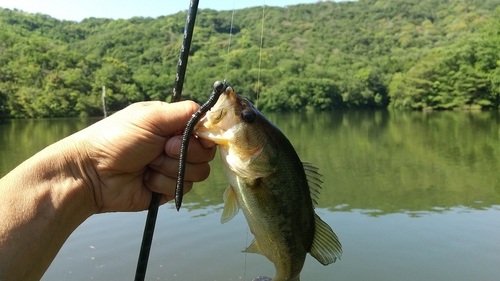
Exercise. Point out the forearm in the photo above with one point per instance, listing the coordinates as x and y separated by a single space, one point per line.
41 202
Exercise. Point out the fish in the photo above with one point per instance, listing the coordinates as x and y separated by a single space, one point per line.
268 182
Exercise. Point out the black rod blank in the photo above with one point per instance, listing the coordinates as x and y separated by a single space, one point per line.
147 237
184 53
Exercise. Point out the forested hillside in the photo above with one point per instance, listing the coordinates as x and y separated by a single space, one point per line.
418 54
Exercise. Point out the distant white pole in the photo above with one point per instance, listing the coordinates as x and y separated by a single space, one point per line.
104 101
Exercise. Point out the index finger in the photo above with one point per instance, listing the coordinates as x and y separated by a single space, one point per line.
160 118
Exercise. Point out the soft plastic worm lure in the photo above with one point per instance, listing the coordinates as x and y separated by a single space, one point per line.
219 88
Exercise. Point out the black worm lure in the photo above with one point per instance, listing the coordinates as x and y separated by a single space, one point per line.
219 88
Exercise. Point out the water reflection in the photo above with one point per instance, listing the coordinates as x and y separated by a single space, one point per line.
411 195
389 162
20 139
379 161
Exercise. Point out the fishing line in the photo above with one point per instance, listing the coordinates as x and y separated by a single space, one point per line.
229 43
226 73
245 267
260 54
256 104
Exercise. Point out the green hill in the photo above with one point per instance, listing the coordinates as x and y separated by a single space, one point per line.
419 54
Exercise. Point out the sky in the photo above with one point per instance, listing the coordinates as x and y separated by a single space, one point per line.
76 10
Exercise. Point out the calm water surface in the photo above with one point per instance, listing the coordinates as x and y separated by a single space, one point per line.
411 195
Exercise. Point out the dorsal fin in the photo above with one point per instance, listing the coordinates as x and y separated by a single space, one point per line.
326 247
313 179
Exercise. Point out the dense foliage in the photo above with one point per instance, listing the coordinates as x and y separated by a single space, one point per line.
418 54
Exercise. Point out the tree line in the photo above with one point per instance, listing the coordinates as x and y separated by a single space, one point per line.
418 54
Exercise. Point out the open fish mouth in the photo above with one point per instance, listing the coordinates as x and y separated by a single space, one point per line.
219 118
225 102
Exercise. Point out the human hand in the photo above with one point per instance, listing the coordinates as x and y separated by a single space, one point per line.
113 165
135 152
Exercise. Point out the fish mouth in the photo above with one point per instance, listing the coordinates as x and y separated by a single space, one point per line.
221 107
217 120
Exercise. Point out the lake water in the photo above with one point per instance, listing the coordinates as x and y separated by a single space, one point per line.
411 195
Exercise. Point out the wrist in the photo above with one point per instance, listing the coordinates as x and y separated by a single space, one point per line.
78 177
48 195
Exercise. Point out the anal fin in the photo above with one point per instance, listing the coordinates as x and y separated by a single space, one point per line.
253 248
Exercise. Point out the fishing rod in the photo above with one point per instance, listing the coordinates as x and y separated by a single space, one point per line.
147 237
184 53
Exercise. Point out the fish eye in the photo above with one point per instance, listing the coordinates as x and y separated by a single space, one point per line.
248 115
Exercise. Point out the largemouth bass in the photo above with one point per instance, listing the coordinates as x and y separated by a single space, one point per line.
274 189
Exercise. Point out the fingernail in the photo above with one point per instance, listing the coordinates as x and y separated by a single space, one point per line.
175 146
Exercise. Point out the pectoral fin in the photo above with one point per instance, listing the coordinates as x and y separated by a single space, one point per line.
253 248
231 207
326 247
